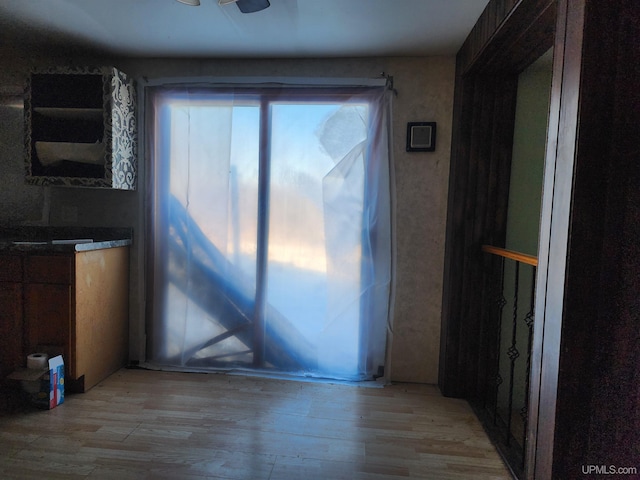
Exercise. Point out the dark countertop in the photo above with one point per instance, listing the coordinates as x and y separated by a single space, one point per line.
62 239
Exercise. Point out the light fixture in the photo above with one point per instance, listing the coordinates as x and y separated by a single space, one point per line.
247 6
193 3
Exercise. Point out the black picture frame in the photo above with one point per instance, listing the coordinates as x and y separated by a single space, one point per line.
421 136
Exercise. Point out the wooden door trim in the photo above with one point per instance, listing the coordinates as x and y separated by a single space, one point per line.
556 206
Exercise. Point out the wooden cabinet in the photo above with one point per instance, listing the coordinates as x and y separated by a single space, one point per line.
47 309
80 128
101 304
47 305
11 315
76 303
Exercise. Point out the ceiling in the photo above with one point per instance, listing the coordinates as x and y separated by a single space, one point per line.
288 28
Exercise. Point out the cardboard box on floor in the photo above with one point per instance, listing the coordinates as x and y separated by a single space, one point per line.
45 387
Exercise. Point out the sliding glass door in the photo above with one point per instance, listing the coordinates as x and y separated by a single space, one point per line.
271 229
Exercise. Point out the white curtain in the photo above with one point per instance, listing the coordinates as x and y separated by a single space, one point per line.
271 228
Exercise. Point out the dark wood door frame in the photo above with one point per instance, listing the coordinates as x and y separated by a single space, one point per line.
585 386
487 69
553 245
586 409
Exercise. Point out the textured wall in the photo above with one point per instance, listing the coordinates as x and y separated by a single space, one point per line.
425 93
527 163
18 202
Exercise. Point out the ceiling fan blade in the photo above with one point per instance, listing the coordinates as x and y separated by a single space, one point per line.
250 6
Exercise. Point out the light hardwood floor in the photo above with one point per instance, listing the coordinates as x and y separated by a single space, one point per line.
146 424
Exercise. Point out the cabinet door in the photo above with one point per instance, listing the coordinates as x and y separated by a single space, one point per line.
12 353
48 269
11 340
48 318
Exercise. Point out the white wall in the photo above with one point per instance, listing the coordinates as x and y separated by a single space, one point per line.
425 93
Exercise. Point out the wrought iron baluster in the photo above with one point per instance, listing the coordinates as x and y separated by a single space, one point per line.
508 402
512 351
528 319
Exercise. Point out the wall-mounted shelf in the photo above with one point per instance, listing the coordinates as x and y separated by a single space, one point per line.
92 114
55 153
80 128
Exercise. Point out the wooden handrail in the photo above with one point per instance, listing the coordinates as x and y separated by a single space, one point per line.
517 256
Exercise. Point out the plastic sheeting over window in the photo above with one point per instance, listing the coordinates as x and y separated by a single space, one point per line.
271 229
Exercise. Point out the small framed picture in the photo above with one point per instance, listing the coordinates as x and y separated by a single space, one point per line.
421 136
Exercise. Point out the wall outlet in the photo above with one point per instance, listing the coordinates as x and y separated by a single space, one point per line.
69 214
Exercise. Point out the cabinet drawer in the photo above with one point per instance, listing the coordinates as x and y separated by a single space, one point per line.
10 268
48 269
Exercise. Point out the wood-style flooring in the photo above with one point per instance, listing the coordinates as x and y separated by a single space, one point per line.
140 424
